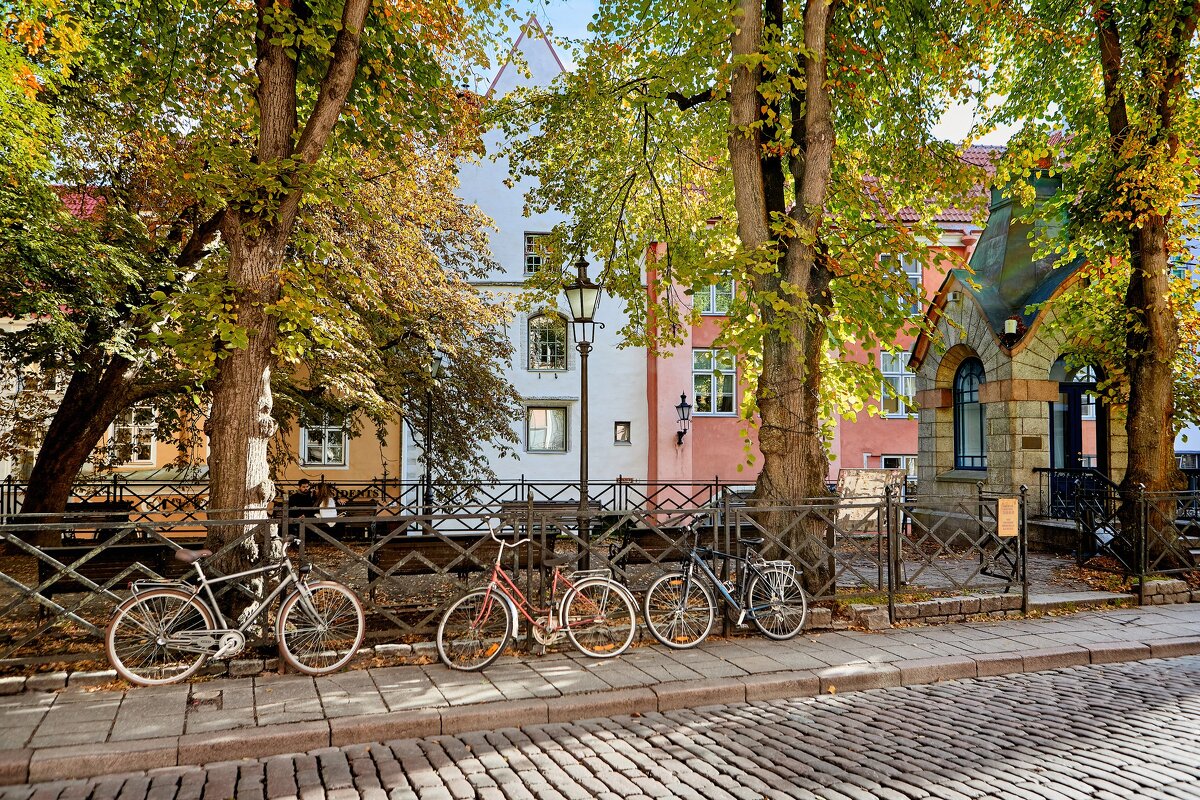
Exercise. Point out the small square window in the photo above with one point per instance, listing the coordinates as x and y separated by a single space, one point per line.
621 433
546 429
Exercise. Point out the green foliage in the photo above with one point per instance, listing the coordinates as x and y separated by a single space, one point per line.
633 145
1051 69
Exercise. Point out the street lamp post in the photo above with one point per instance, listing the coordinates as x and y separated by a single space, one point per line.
583 297
436 359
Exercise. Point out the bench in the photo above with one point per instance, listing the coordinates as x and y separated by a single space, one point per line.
153 557
101 519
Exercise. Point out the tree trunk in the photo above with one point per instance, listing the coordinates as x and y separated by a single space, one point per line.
240 425
91 403
789 388
1151 346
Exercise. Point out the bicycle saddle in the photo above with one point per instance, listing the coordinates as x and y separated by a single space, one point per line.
190 556
751 541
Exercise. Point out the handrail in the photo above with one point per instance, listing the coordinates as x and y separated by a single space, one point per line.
1081 471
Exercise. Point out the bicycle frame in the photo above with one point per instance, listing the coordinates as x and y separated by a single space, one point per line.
500 581
205 585
696 558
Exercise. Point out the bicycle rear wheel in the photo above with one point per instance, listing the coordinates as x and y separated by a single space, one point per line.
322 634
145 641
600 618
676 620
777 603
475 630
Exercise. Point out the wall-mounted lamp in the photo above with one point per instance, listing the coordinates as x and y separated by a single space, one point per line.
953 297
684 412
1014 329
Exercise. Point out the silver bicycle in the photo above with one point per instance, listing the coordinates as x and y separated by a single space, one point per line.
168 629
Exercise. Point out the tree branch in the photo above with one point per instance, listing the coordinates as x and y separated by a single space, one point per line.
335 86
685 102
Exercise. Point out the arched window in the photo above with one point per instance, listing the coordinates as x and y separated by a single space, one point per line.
970 432
547 342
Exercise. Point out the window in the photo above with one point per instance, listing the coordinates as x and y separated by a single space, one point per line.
970 430
621 433
713 374
38 380
1087 401
546 430
323 442
535 252
1188 460
132 439
547 342
899 385
906 463
912 269
714 299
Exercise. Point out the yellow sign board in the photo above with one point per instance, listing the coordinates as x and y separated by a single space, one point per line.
1008 520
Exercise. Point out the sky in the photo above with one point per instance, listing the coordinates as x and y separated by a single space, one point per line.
570 18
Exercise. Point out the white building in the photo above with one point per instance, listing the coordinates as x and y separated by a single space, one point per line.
545 368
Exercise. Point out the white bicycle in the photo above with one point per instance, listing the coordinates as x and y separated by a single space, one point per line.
167 629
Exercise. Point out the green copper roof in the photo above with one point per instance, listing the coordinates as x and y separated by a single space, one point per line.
1008 277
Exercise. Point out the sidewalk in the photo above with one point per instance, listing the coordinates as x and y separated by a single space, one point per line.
75 734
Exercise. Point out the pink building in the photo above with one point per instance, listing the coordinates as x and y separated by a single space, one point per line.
719 441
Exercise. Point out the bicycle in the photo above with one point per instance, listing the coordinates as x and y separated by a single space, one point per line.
679 608
595 612
165 631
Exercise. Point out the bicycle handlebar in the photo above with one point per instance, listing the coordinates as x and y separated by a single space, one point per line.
503 544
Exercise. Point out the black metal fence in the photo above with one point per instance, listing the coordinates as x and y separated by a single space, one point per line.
408 567
1152 533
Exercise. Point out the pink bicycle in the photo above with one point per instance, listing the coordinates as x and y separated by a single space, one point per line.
595 612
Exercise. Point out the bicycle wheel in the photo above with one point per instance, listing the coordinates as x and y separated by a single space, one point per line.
144 642
777 604
321 633
600 618
475 630
675 620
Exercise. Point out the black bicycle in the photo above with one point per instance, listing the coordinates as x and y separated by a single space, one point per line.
680 606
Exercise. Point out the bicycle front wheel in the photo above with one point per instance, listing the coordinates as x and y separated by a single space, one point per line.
679 610
147 640
474 631
320 630
600 618
777 604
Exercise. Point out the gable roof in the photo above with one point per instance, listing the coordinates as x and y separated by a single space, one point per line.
535 30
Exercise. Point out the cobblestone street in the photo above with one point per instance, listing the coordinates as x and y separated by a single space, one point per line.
1109 732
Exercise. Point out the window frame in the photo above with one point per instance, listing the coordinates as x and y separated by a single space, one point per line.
528 251
979 376
566 420
709 295
906 406
530 348
628 430
325 427
119 424
712 375
908 463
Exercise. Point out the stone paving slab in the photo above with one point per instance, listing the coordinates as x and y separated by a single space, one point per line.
83 733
